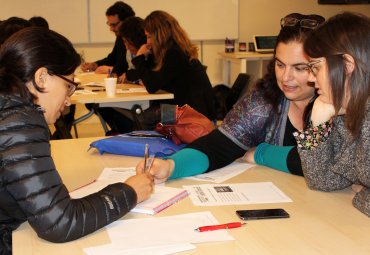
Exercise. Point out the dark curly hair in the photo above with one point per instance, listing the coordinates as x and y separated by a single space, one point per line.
268 85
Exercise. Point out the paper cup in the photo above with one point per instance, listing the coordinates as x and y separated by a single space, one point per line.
110 86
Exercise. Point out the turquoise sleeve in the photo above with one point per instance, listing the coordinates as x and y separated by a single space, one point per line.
188 162
272 156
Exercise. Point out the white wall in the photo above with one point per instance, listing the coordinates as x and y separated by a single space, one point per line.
255 17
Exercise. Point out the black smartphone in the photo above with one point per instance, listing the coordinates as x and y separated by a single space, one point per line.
262 214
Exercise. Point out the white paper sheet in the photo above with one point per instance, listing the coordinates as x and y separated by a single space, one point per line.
224 173
115 249
94 84
130 90
235 194
84 92
162 197
161 235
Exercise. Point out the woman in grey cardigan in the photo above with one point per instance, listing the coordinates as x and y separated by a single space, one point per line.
335 151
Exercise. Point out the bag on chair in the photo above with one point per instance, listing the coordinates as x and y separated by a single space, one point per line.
183 124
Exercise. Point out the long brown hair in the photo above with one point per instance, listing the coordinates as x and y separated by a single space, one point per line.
165 31
345 33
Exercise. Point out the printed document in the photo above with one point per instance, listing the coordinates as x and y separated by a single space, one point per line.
236 194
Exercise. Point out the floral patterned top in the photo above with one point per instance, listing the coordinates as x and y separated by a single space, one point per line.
313 136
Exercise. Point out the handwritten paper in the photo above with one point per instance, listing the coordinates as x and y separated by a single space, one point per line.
162 197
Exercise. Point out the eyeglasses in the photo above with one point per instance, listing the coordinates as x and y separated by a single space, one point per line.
291 22
72 86
312 66
113 24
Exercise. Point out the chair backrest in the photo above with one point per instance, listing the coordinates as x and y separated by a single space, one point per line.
238 89
221 92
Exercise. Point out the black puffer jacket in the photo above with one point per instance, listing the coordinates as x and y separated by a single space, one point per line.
32 190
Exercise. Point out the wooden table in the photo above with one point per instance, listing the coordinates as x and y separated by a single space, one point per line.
320 223
252 63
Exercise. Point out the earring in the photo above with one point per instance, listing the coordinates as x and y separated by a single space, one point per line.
41 109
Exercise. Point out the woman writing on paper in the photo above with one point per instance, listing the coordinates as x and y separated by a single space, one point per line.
335 150
265 118
36 82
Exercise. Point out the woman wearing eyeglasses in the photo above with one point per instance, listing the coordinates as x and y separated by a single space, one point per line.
36 82
335 150
262 120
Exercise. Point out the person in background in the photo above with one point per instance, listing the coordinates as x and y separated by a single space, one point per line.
38 21
116 60
36 81
133 36
169 61
335 149
265 117
10 26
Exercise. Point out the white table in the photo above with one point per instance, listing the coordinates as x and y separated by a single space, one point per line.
124 100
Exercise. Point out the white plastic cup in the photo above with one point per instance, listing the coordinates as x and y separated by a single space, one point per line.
110 86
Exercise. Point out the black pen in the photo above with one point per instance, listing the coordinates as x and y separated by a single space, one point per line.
137 134
97 90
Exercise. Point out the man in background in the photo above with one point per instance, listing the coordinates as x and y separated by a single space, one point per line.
116 60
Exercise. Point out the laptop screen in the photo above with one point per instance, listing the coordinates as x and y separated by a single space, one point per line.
264 44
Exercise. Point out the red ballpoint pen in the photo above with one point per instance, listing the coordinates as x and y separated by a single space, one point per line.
221 226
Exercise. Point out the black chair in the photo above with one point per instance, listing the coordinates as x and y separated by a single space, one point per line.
226 97
238 89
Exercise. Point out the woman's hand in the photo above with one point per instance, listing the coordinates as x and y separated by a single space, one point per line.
89 67
321 112
122 78
142 184
249 156
161 169
144 50
103 69
357 187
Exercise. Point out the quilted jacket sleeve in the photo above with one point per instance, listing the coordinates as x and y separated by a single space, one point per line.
33 190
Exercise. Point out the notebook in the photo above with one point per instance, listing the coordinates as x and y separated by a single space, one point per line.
162 197
264 43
